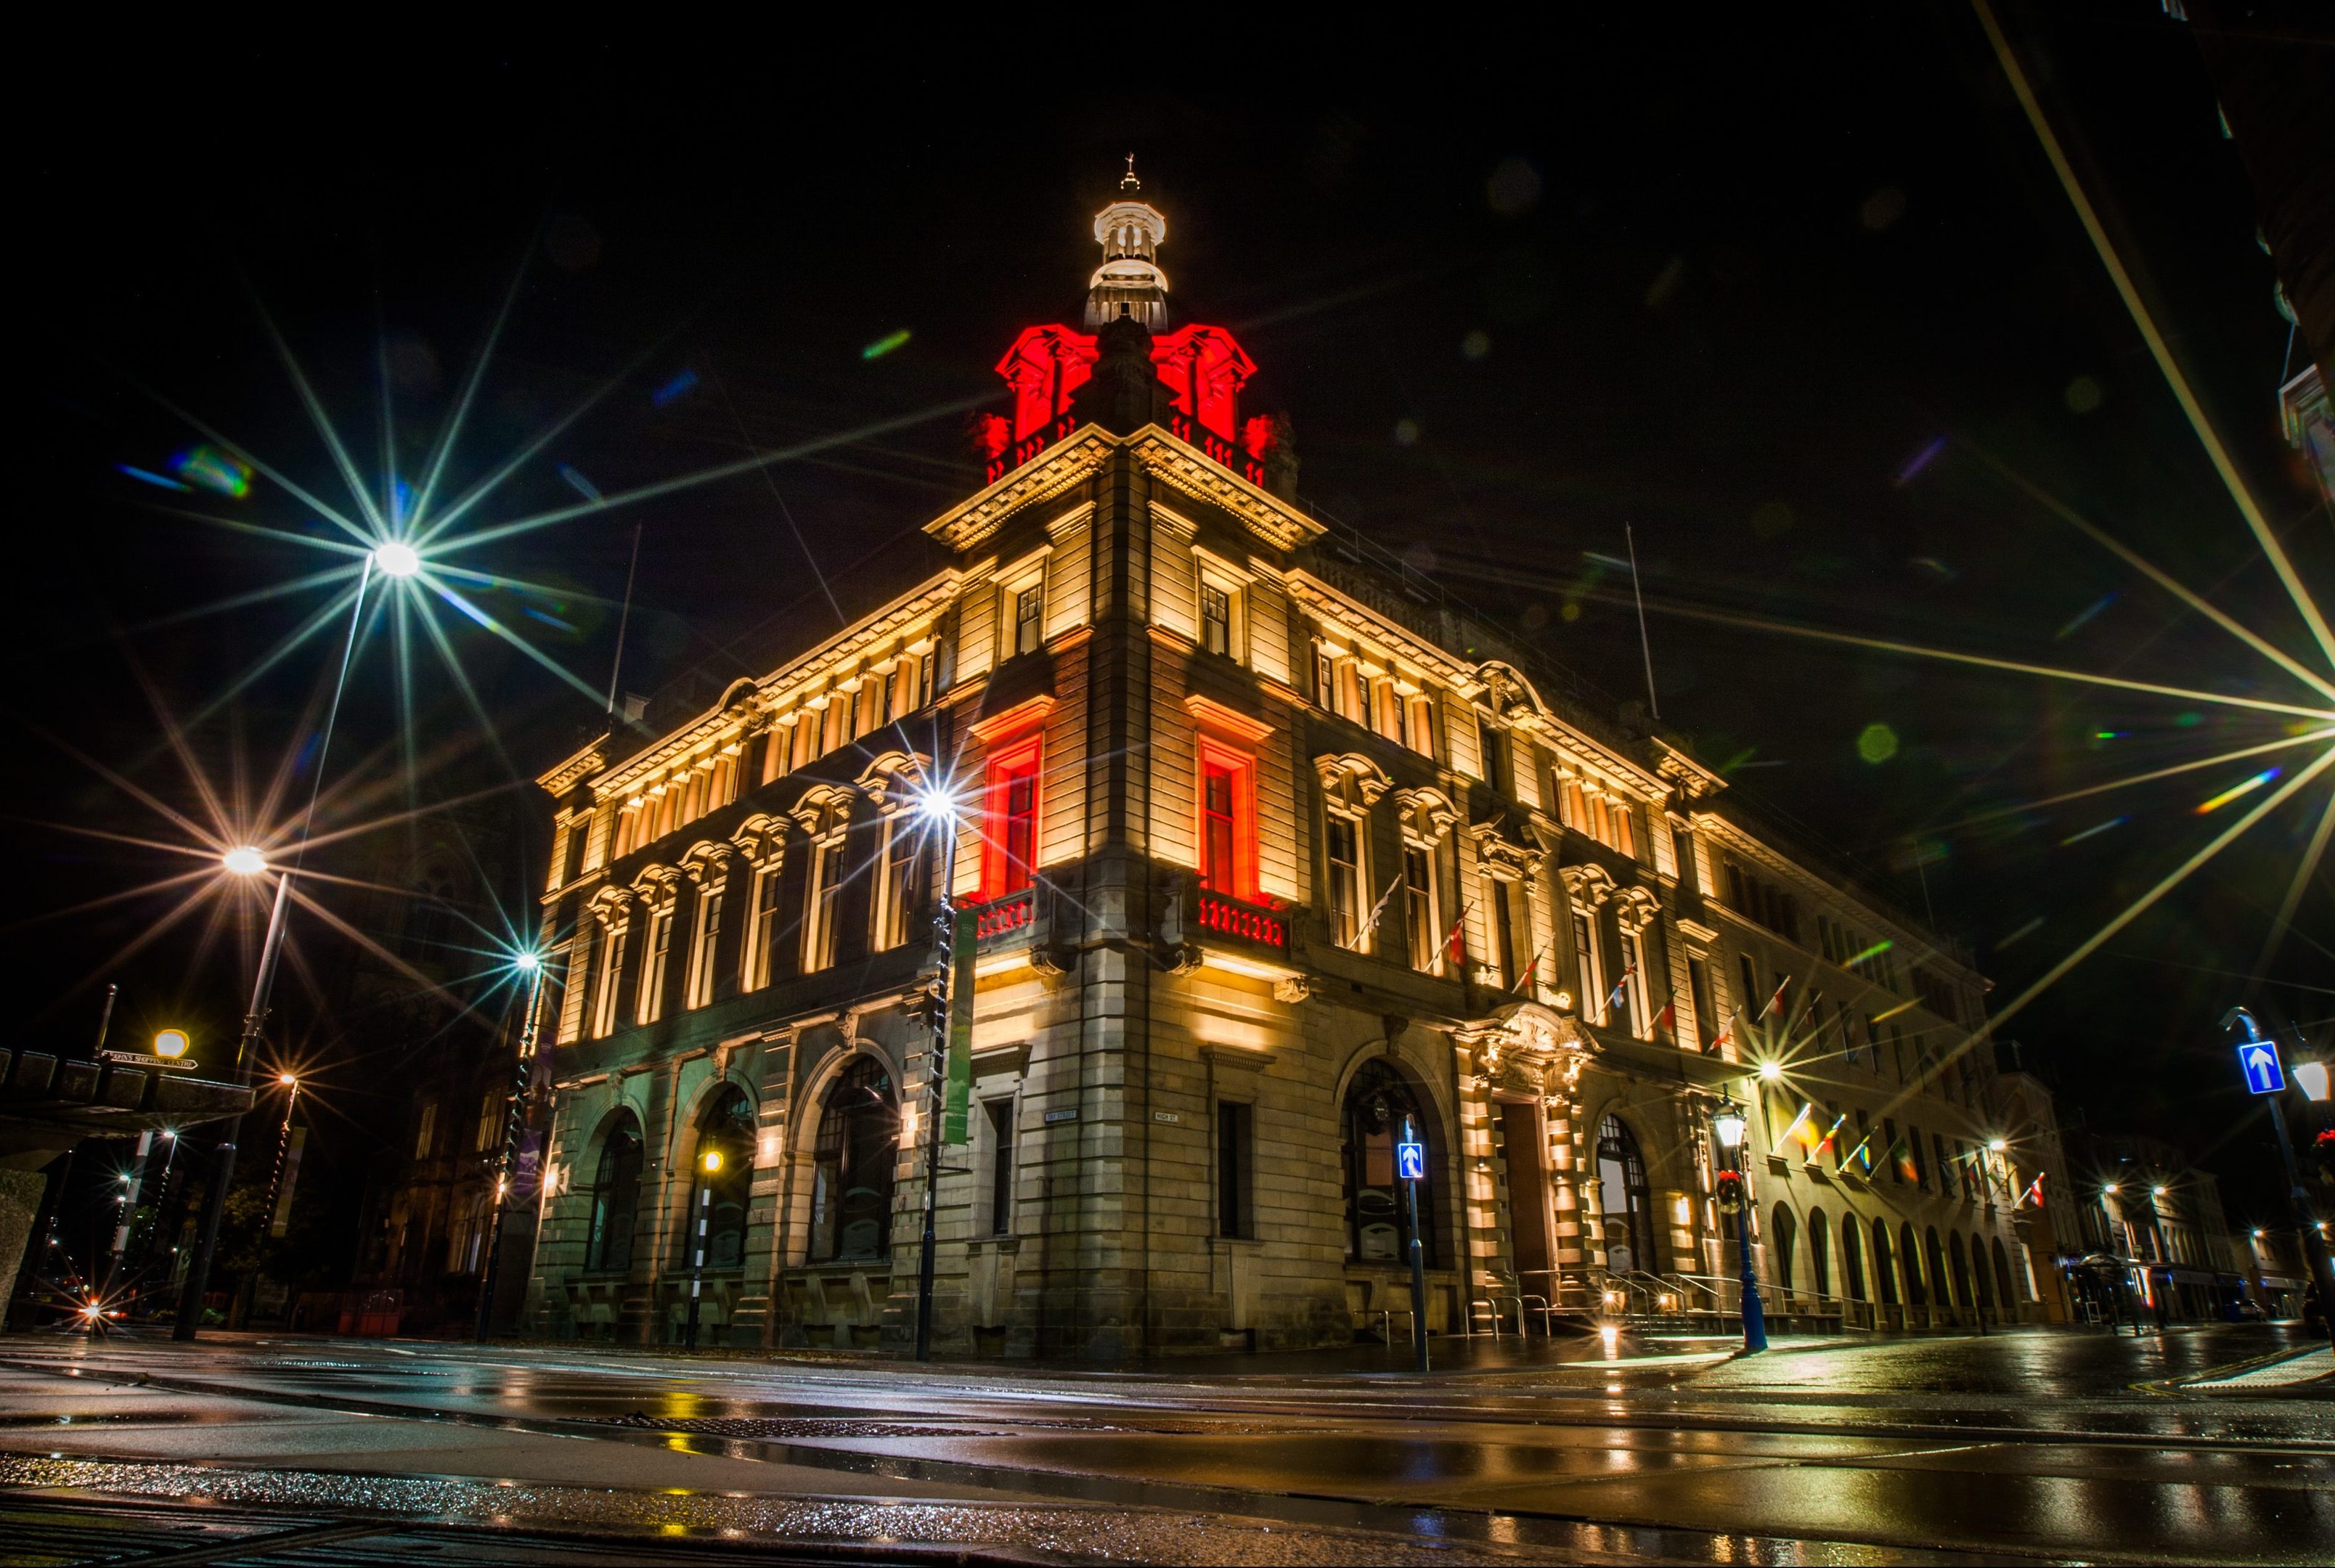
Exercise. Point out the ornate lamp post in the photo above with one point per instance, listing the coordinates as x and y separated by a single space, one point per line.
530 964
1728 1126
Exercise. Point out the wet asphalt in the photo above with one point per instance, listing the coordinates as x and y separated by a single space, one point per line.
2049 1445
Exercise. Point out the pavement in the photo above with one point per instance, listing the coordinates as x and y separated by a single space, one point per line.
2208 1444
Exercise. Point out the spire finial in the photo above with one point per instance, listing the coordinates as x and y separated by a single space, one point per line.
1128 180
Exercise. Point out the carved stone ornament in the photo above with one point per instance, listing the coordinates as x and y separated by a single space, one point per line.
1589 886
1528 1030
1292 989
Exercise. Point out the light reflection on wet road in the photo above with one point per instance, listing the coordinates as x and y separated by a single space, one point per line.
2034 1443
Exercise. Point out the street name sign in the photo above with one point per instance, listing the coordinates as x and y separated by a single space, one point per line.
2258 1060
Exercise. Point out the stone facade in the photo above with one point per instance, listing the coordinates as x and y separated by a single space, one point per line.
1269 857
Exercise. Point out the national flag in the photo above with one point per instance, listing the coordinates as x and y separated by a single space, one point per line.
1524 980
1825 1141
1901 1153
1666 1020
1727 1029
1620 986
1775 1002
2034 1190
1455 941
1377 909
1815 1000
1858 1152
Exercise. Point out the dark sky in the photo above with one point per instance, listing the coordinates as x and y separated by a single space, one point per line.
1722 278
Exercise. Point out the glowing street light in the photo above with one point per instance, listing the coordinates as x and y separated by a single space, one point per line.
171 1044
2156 1192
1770 1071
396 559
943 815
709 1162
1997 1145
1727 1124
244 860
527 963
288 1079
2311 1077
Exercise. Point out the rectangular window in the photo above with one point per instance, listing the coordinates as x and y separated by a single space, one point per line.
612 968
1215 619
1345 878
1001 1166
898 894
654 953
1593 966
1326 678
1682 852
425 1136
1500 897
1706 1020
704 945
1418 906
1639 992
1010 850
826 898
1492 742
1896 1160
1219 870
1235 1130
1029 606
490 1121
1362 683
1748 999
763 927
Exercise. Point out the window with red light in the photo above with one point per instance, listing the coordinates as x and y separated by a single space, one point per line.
1012 850
1227 822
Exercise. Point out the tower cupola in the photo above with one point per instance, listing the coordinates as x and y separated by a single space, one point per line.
1128 282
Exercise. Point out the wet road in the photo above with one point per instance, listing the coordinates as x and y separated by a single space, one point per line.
2046 1445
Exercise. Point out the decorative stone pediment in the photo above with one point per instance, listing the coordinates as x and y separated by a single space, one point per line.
1528 1038
1634 907
1428 813
891 781
762 839
1353 779
706 862
1590 886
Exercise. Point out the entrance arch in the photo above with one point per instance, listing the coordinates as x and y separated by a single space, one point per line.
1787 1241
853 1165
1852 1258
1378 1104
1884 1267
1819 1252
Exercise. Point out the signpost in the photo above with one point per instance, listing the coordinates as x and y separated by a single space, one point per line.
1410 1166
2258 1060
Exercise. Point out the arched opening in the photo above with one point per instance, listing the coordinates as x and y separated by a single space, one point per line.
1787 1231
1961 1270
616 1199
853 1163
1909 1254
1936 1255
1819 1252
1884 1267
2006 1295
1628 1206
725 1130
1852 1258
1380 1106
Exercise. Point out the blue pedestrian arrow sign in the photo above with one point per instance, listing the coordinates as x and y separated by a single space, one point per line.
2258 1058
1411 1161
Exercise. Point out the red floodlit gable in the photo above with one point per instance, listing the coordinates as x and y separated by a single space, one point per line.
1204 370
1043 367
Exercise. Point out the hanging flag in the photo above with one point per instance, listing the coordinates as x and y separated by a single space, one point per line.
1620 985
1775 1002
1901 1153
1815 1000
1727 1029
1376 910
1524 980
2035 1191
1858 1152
1825 1142
1455 941
1666 1020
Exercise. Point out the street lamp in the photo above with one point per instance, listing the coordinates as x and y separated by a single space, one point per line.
396 558
171 1044
2311 1077
529 962
2314 1234
1771 1072
939 811
1728 1123
243 860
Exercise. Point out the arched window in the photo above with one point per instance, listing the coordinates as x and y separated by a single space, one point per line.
727 1129
1852 1258
854 1160
1622 1193
1819 1252
1787 1241
1962 1271
1936 1255
1910 1255
2009 1295
1379 1107
615 1200
1884 1267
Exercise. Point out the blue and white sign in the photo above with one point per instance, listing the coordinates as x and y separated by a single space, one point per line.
1411 1161
2258 1058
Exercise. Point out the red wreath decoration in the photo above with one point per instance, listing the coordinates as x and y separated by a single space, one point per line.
1729 1191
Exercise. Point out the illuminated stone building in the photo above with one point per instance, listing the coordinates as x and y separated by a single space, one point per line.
1274 847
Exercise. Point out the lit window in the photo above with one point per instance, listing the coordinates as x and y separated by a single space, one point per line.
1593 966
654 953
703 944
1326 678
1418 906
426 1132
763 925
612 964
1012 850
1493 743
1345 879
1215 619
1217 865
897 893
1028 604
1499 898
826 898
1639 992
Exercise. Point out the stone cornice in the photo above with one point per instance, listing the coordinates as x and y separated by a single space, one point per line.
1047 475
1185 468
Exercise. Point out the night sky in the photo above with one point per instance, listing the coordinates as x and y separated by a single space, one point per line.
1791 290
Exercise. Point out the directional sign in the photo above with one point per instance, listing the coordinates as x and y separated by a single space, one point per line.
2258 1060
1411 1161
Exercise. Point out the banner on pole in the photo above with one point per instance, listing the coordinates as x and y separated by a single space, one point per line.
959 1101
